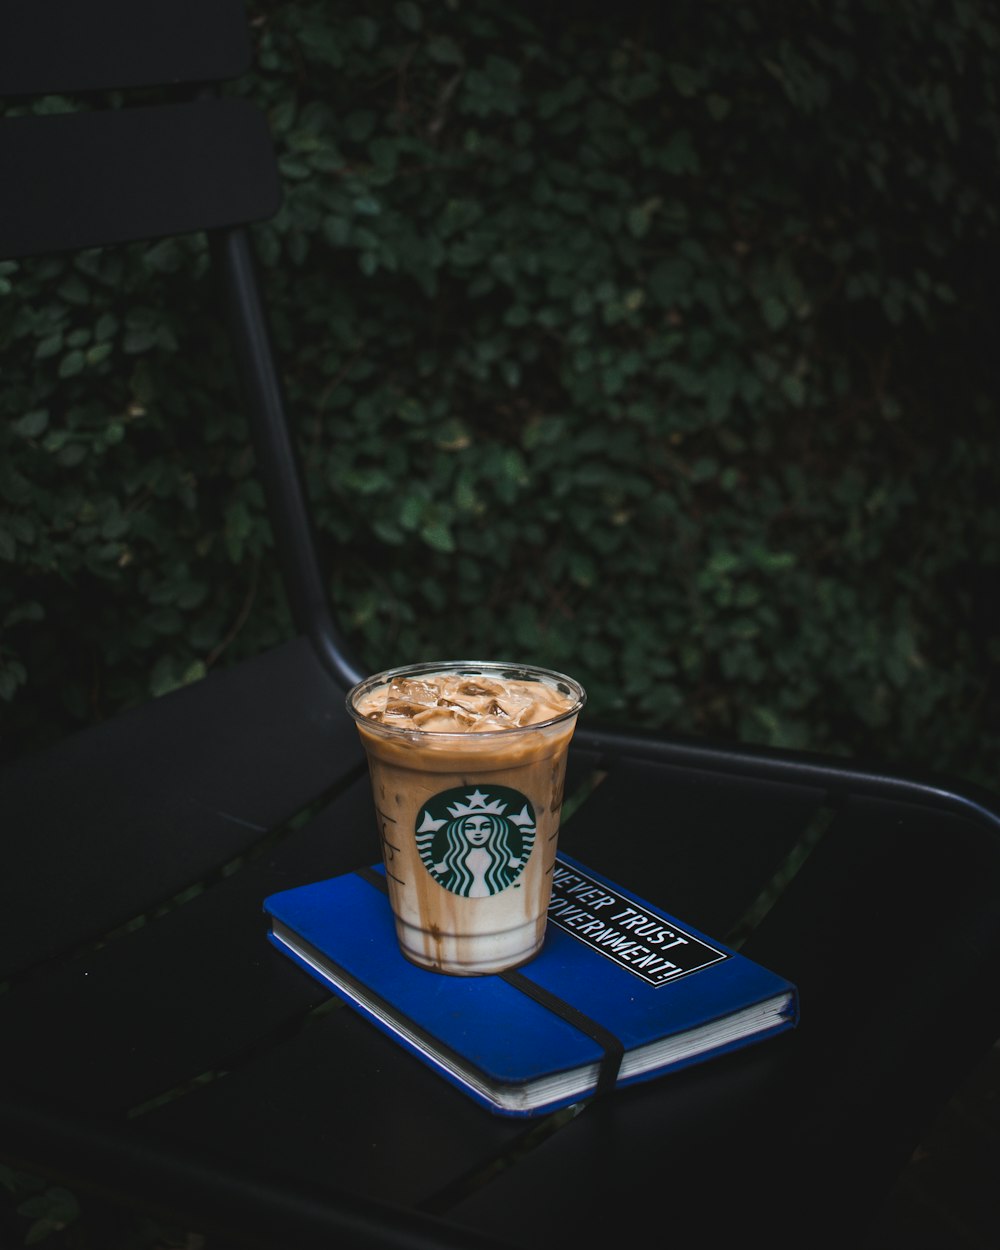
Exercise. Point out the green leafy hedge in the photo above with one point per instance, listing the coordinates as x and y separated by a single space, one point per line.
654 342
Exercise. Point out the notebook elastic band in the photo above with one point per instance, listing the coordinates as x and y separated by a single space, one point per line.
614 1049
612 1046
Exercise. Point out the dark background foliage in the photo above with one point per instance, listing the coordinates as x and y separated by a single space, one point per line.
654 342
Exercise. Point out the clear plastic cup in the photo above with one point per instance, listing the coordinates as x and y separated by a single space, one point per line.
468 795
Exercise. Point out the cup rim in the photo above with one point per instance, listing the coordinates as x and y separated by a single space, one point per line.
477 667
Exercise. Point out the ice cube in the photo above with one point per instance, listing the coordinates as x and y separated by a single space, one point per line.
444 720
406 696
512 706
477 687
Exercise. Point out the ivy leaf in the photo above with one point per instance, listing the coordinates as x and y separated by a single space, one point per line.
438 535
408 15
774 311
32 424
685 79
444 50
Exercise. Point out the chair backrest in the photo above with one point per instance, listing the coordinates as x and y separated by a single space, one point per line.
148 147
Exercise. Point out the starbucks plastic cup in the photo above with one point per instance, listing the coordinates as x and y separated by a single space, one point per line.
467 762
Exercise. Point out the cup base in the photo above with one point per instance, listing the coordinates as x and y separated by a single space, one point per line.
470 956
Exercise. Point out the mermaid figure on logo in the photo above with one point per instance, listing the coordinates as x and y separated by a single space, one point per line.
480 850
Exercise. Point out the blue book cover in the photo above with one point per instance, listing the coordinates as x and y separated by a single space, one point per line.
621 991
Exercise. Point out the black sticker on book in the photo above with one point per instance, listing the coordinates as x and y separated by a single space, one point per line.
639 940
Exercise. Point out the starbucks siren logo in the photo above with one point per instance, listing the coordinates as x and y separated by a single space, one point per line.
476 844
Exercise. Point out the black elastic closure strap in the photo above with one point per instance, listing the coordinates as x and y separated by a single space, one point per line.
373 878
613 1047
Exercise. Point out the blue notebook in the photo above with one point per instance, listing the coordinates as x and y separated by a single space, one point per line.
621 991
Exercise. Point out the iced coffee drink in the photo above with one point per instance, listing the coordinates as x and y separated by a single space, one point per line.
467 764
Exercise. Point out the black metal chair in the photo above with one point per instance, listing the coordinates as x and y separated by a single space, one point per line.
181 1066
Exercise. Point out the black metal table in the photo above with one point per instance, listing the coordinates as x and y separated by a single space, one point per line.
185 1063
